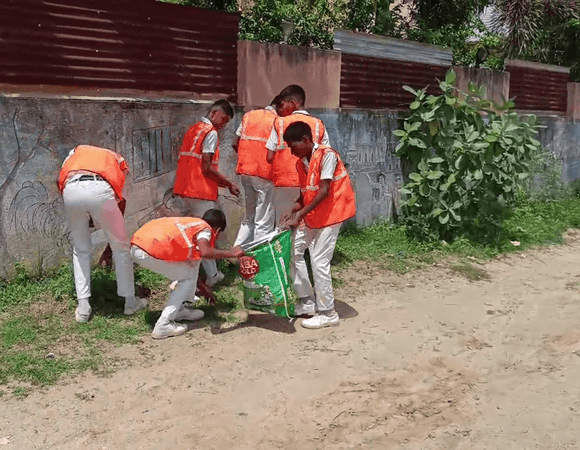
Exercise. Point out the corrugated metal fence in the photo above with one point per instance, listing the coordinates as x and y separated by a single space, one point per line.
374 69
118 44
538 86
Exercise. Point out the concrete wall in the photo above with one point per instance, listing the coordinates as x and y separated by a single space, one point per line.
497 83
36 134
265 69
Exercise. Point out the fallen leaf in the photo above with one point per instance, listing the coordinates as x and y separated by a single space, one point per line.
5 440
515 243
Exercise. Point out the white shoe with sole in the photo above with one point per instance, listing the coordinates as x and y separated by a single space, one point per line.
304 309
189 314
82 317
132 305
171 329
322 321
212 281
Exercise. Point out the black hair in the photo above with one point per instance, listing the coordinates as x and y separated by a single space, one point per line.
215 218
293 92
296 131
223 106
275 103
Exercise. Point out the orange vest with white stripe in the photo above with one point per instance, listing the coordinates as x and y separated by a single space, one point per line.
340 204
252 151
284 165
107 164
172 238
189 179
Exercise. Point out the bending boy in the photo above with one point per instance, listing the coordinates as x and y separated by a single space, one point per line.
326 201
91 181
174 247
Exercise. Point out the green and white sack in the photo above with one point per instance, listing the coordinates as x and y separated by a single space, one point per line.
270 290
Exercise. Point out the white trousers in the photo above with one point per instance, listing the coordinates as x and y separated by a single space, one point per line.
185 272
194 207
284 199
321 243
96 199
260 212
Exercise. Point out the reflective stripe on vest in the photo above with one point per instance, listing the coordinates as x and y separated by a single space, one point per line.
190 180
172 238
107 164
284 165
339 205
252 151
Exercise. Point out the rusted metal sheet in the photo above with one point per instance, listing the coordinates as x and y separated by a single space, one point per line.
377 83
364 44
119 44
538 87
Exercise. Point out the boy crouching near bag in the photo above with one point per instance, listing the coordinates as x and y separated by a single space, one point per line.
174 247
326 201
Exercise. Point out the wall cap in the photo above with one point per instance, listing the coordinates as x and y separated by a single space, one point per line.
535 66
365 44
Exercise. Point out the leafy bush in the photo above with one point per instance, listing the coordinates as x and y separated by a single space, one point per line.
469 156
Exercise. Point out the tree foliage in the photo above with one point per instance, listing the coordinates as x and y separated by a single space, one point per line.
467 167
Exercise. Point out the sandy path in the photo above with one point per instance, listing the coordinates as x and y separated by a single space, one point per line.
431 361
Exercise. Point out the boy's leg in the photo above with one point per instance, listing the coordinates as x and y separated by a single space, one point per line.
302 286
111 221
185 273
246 232
265 216
321 251
78 220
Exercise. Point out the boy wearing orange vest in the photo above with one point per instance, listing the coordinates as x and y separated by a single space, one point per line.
174 247
197 178
327 200
255 170
91 181
284 175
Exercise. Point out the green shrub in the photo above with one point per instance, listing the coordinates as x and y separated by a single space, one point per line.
469 155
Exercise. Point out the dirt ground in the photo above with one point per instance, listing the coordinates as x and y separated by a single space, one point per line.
427 360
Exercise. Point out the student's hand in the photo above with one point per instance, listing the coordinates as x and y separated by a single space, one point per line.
234 190
237 252
293 221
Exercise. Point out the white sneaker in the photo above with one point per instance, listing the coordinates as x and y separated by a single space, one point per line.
212 281
134 304
82 317
304 309
322 321
162 331
173 285
189 314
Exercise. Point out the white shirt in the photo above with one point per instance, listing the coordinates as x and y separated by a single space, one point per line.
204 234
239 130
273 143
328 164
211 138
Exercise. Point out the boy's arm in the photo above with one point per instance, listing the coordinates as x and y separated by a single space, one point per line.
209 172
207 251
322 193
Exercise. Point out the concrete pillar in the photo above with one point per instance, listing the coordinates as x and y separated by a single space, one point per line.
497 83
573 112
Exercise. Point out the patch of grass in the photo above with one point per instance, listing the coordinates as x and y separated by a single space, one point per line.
469 271
531 224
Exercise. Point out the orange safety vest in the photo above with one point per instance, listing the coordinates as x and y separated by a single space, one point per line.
172 238
107 164
283 167
189 178
340 204
252 151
